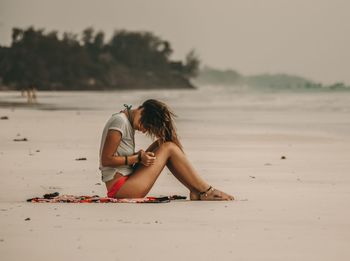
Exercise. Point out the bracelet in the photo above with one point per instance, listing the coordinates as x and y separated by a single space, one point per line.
126 160
139 157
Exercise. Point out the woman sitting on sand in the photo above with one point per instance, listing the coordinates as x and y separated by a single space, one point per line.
131 175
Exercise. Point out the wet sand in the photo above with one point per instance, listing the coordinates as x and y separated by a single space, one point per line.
296 208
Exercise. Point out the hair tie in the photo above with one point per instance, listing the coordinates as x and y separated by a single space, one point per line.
128 107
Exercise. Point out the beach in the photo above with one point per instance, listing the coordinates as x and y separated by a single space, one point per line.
283 155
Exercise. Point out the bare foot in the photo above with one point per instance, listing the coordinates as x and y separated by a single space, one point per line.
212 194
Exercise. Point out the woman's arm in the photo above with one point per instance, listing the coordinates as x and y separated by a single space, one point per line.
108 159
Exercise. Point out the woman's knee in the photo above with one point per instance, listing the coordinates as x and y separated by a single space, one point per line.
169 146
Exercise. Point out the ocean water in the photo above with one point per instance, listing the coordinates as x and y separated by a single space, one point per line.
209 108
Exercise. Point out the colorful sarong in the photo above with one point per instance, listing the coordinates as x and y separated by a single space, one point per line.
56 198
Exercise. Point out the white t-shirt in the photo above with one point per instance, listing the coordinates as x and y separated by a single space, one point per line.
119 122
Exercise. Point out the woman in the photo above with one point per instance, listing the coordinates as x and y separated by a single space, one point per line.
131 175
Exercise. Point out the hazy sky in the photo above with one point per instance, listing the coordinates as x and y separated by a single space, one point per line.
306 37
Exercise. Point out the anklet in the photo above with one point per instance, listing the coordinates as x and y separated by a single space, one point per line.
205 192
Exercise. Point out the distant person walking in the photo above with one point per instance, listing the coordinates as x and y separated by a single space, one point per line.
130 174
30 93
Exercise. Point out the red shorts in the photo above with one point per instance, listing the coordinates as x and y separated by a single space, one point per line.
116 186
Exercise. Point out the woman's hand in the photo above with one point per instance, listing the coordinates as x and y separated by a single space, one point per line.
147 158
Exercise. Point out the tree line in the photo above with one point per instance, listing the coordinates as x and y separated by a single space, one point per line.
87 61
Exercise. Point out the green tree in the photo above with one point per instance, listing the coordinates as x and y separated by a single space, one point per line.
86 61
192 64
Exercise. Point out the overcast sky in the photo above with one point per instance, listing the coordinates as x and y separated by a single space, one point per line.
310 38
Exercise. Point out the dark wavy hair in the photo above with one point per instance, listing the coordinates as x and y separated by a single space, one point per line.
158 120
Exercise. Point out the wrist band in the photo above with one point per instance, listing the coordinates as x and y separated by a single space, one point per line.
139 157
126 160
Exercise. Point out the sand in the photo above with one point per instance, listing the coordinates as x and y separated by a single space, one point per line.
295 208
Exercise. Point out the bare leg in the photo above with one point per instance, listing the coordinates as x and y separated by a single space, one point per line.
191 177
174 169
142 180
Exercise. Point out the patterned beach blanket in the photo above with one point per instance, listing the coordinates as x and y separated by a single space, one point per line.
57 198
